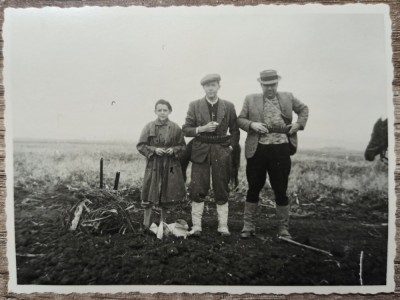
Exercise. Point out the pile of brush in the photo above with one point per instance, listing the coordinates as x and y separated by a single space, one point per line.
103 211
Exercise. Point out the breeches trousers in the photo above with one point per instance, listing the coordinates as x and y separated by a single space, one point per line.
218 161
274 160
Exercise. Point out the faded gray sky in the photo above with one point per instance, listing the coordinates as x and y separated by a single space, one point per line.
64 67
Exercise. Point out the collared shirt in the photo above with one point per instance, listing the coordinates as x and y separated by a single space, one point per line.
212 102
273 118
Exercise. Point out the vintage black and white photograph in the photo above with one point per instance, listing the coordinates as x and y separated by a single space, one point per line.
242 149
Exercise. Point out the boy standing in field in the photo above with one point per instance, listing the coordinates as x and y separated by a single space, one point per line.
162 143
208 121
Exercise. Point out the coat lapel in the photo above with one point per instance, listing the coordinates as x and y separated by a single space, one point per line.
220 111
283 106
152 131
204 111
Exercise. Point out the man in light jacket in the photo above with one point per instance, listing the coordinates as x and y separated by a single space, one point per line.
271 139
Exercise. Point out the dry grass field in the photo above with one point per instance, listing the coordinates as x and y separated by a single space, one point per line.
339 203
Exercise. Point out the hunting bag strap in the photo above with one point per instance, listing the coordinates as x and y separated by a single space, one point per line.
284 117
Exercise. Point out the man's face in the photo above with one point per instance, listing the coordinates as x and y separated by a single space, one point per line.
211 89
269 90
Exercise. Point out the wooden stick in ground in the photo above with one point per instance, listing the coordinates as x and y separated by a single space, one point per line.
101 173
116 182
361 264
305 246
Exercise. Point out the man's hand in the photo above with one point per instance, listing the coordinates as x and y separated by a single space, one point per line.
210 127
259 127
169 151
159 151
294 128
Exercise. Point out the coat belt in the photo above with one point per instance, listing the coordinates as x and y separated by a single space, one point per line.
213 139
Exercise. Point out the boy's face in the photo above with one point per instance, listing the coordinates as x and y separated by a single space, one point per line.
162 112
211 89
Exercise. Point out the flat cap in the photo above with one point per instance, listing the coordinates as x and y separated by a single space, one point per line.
209 78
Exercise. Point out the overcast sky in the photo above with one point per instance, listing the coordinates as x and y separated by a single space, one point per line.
65 67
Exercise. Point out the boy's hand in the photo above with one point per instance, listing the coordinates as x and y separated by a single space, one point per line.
169 151
159 151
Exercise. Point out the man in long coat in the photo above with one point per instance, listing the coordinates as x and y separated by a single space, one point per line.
271 139
208 121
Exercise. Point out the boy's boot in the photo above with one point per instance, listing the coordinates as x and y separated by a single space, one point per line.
249 228
197 214
222 211
146 221
163 217
147 215
282 214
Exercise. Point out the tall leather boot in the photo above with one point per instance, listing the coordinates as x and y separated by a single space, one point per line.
249 227
282 214
197 214
223 211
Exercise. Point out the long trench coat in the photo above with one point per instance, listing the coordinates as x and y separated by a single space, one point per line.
163 183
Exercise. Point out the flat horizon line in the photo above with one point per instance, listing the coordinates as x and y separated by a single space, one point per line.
126 142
